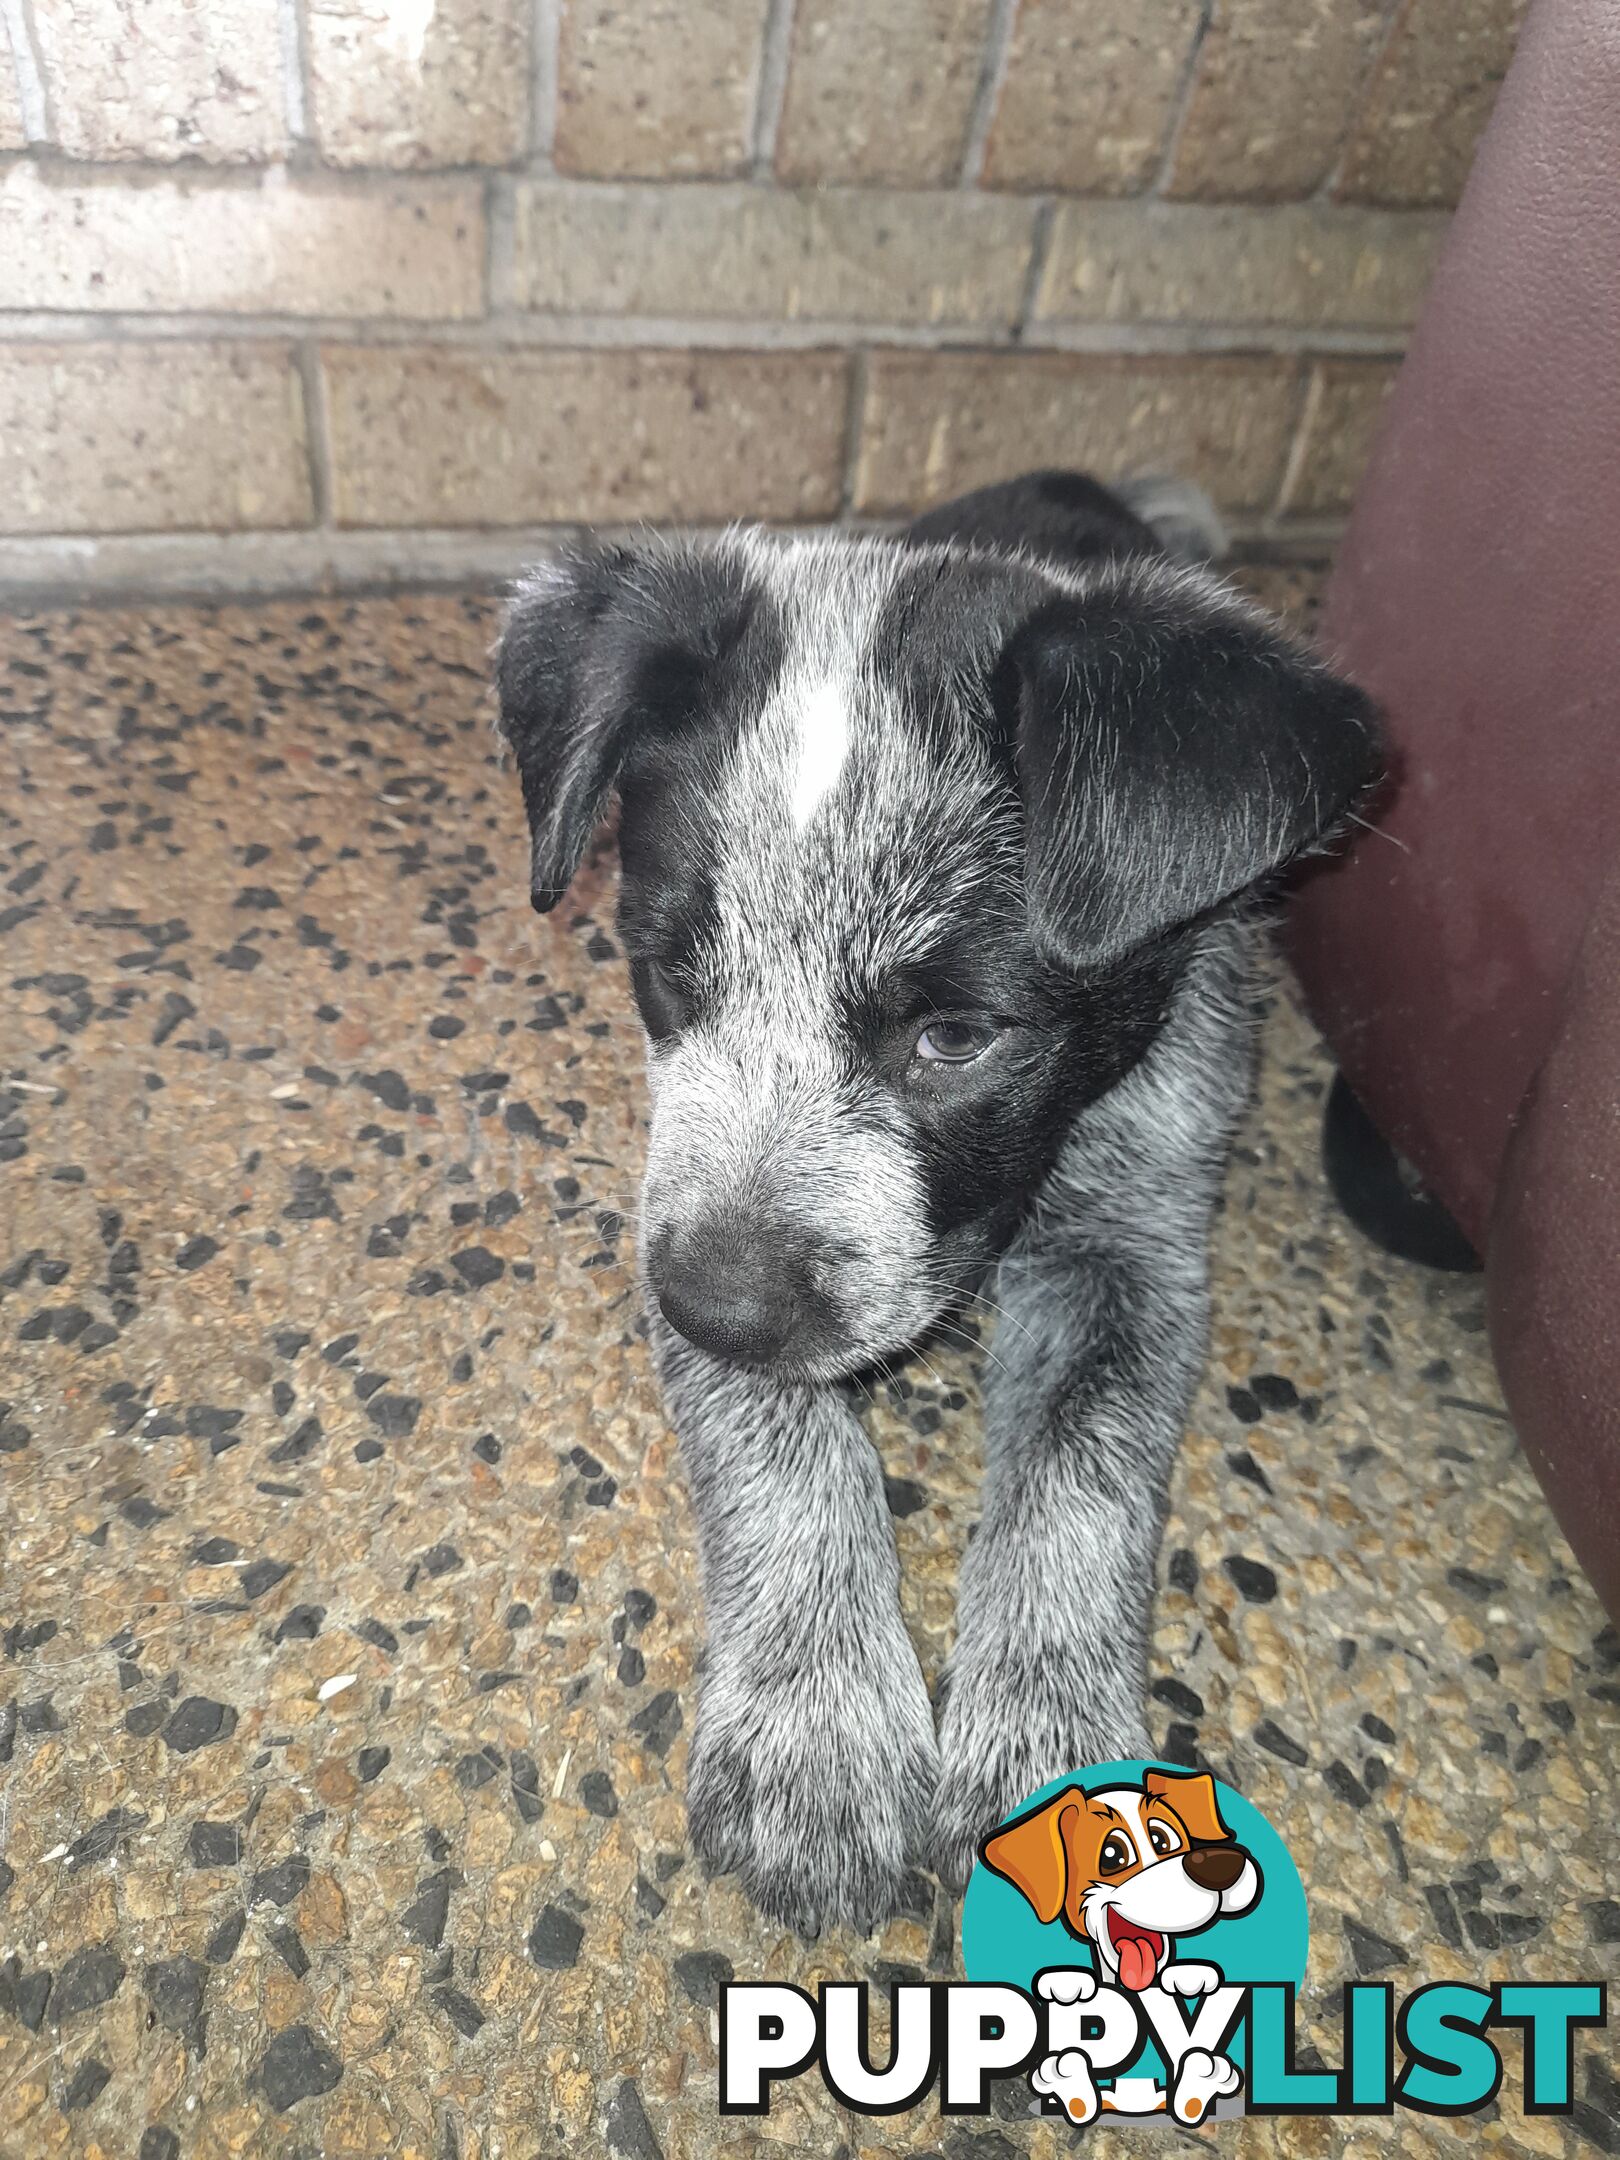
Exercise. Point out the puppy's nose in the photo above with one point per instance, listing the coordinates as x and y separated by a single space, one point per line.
1215 1867
738 1289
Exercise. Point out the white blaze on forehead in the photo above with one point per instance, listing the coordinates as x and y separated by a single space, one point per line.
822 747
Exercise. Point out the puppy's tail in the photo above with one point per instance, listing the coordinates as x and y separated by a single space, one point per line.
1187 524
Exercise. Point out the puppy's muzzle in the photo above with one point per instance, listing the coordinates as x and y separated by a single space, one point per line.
1215 1867
742 1290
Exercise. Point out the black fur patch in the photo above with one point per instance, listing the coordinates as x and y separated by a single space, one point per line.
615 650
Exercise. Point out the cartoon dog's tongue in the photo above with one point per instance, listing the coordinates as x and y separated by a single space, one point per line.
1139 1950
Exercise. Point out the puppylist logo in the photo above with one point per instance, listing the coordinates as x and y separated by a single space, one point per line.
1133 1939
1125 1870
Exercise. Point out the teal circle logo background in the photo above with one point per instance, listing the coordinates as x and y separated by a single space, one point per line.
1003 1939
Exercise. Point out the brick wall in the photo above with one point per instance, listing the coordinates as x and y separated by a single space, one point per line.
303 289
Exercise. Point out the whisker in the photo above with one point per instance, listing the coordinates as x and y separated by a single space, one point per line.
999 1314
932 1370
968 1341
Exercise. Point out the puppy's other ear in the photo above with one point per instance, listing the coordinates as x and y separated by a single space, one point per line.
1192 1795
1174 747
1033 1855
603 648
564 734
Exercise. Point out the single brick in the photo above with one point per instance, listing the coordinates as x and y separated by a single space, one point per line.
1431 97
937 423
833 256
1343 408
412 250
163 78
662 87
151 438
881 93
444 84
1089 93
443 438
1311 266
1275 92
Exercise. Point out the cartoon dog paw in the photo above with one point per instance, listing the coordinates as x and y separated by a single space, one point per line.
1188 1977
1067 2079
1202 2079
1066 1984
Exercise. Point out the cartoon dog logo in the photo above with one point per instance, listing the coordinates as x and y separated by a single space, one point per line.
1129 1870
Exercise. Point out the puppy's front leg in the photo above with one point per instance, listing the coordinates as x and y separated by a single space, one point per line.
1103 1312
813 1762
1052 1614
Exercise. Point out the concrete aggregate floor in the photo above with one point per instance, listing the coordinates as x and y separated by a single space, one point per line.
347 1604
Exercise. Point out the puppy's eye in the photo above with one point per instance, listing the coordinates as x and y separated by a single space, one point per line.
955 1042
1162 1838
664 1004
1117 1852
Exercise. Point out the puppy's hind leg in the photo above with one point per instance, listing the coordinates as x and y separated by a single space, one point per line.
1104 1304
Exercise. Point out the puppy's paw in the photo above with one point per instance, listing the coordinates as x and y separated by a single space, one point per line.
1009 1727
1066 1984
815 1789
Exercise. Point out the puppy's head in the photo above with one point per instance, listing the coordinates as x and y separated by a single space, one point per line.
911 842
1129 1868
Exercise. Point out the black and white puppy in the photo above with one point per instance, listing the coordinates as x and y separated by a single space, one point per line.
935 854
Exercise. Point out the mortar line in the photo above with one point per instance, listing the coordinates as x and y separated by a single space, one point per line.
295 72
317 428
770 95
992 72
1308 403
1040 254
28 70
546 28
1395 17
1182 105
508 332
998 36
500 244
198 176
854 430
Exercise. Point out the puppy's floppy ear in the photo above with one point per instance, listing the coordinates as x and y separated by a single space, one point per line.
1033 1854
1192 1795
604 647
1174 747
